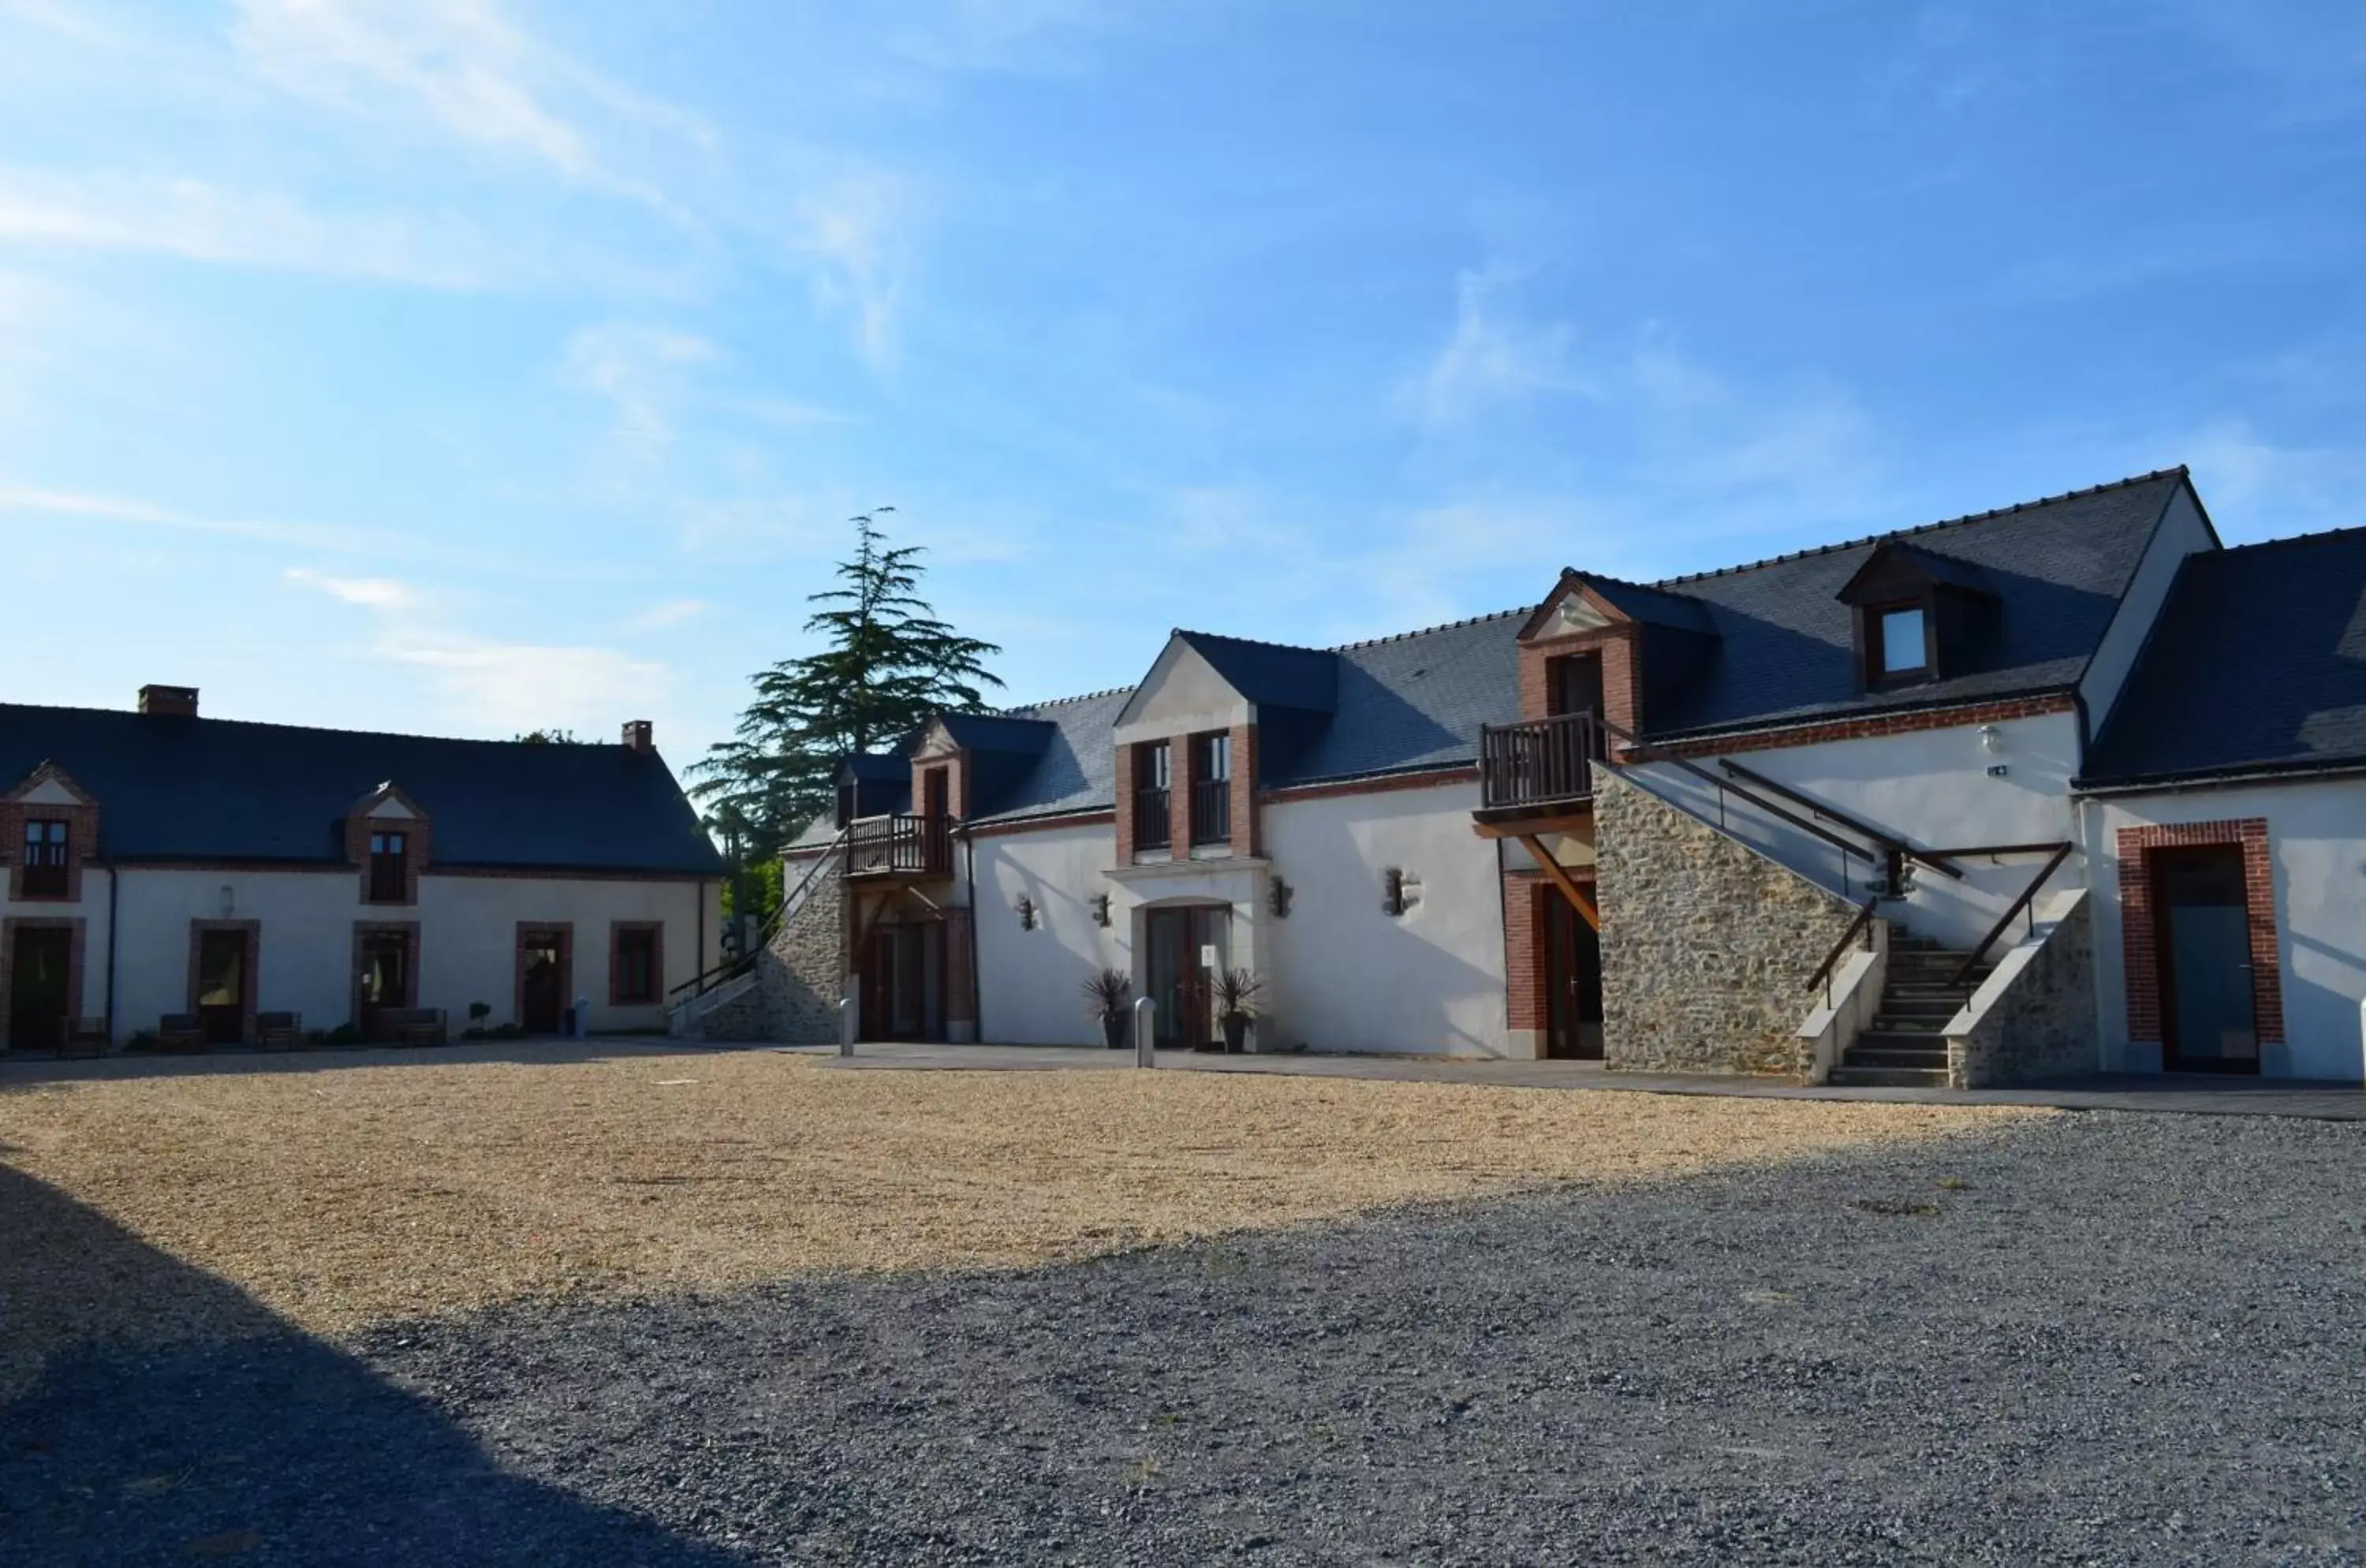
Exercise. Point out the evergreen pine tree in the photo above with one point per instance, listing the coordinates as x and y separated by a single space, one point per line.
887 664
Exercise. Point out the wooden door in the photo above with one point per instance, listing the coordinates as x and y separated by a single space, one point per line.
1572 981
385 977
223 982
38 1002
542 982
2202 937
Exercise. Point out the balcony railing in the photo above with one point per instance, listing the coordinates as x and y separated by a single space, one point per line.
1153 827
899 846
1211 811
1540 762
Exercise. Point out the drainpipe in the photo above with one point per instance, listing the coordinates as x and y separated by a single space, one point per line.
112 886
699 898
976 980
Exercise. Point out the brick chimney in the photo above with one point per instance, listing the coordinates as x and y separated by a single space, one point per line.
171 702
638 734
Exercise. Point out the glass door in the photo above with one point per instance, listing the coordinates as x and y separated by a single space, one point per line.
2204 942
221 986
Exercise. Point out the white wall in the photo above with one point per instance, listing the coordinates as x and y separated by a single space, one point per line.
1031 983
305 947
1345 976
1930 788
2182 530
2316 838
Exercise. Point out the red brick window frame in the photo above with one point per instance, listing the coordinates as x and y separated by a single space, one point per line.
2139 927
364 829
77 826
72 924
251 973
635 962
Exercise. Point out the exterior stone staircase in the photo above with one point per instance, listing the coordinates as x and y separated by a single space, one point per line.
1904 1047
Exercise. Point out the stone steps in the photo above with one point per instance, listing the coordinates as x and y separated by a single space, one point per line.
1905 1046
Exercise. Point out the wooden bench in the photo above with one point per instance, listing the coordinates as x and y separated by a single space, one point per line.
181 1032
413 1026
279 1031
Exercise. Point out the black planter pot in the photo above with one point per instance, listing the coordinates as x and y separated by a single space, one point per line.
1113 1030
1236 1034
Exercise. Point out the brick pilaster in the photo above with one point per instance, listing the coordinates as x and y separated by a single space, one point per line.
1244 803
1125 756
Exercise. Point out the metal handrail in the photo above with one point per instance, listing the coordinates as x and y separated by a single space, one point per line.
1649 753
2028 897
1824 974
1935 859
730 968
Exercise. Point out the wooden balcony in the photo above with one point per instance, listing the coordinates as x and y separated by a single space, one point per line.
1538 766
910 847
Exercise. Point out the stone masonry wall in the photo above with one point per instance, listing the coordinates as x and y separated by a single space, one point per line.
1707 946
798 977
2043 1026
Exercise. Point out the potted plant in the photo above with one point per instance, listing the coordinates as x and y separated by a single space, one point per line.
1106 995
1235 997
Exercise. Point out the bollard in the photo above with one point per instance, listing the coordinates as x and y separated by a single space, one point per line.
850 1018
1146 1044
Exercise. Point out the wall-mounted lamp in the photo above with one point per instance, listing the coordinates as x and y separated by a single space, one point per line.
1991 738
1400 891
1278 897
1026 914
229 901
1100 908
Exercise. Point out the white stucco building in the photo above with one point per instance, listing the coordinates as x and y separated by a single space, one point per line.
2061 787
196 881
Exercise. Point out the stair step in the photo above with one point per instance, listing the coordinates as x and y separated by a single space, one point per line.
1933 1027
1888 1078
1896 1057
1902 1039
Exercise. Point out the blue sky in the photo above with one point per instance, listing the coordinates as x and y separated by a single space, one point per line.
463 365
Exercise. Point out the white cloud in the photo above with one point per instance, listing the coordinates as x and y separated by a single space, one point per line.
2256 487
1492 357
664 614
463 69
641 370
491 684
199 221
102 509
856 232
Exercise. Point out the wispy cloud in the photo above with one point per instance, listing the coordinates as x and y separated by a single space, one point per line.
104 510
1492 355
199 221
856 234
459 67
665 614
640 371
490 682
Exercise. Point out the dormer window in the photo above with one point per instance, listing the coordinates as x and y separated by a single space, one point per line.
389 864
46 843
1920 615
1901 642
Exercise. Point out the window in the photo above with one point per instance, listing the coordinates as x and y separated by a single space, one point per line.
45 858
1212 788
636 977
1152 777
389 881
1900 649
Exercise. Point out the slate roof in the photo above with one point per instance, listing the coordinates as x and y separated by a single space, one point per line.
1784 652
206 789
1787 643
2257 663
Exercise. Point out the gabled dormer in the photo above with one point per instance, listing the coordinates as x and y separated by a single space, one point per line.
52 825
1919 615
388 839
1600 646
1188 740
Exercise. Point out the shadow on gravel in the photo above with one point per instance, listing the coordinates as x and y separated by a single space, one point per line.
265 1446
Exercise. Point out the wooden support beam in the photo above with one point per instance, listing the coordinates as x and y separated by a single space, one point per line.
1562 880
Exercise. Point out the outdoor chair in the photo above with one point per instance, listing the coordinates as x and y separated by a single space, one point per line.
180 1032
279 1031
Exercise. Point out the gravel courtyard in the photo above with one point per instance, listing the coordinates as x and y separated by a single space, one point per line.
1382 1324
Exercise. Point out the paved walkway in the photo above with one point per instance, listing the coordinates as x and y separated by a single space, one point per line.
2190 1094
